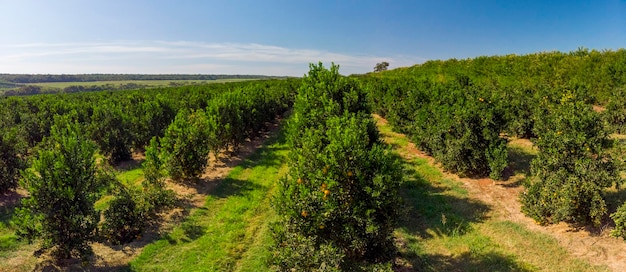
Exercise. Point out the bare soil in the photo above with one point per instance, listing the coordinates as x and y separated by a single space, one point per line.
593 245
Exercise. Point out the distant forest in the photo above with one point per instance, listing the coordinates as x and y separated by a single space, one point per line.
40 78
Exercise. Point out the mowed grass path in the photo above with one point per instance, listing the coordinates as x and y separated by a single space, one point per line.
231 232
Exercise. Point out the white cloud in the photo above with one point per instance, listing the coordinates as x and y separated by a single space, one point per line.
179 57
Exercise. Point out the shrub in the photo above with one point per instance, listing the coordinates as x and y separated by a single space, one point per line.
124 219
63 185
619 217
110 129
155 196
572 167
615 113
131 210
338 204
185 145
12 152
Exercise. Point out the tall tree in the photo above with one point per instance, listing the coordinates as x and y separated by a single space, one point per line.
381 66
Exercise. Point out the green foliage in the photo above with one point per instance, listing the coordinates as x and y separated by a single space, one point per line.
185 145
63 185
155 196
131 210
619 217
572 167
12 153
459 125
615 113
110 129
124 219
381 66
338 205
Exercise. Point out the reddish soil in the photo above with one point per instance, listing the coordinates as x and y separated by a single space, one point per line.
594 246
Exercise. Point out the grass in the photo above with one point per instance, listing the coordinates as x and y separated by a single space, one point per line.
444 229
8 239
231 232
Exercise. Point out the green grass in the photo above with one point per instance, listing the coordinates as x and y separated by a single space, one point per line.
131 177
231 232
8 239
444 229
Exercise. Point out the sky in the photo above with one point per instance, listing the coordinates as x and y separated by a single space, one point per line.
281 37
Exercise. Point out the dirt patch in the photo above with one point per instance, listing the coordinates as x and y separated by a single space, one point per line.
598 108
595 247
12 198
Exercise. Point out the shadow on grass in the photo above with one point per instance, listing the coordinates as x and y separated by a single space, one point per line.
77 265
270 155
436 210
519 163
470 262
431 210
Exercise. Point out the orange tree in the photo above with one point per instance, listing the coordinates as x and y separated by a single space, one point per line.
12 153
338 204
456 122
572 167
63 185
185 145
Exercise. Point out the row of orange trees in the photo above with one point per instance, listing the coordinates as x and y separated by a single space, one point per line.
118 122
463 111
338 205
64 179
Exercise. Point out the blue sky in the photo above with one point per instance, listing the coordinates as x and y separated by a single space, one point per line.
280 37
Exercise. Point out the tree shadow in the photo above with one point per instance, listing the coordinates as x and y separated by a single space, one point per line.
434 210
234 187
429 209
76 264
269 155
519 163
192 230
469 261
7 208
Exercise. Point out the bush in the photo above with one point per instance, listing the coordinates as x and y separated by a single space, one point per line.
131 210
339 203
155 196
615 113
124 219
619 217
572 167
185 145
110 129
12 153
63 183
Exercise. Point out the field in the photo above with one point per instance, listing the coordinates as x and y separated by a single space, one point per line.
448 225
486 164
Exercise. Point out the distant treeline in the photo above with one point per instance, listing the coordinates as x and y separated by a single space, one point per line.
23 90
39 78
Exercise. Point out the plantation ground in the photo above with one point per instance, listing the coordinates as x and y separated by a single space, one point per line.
477 224
450 223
